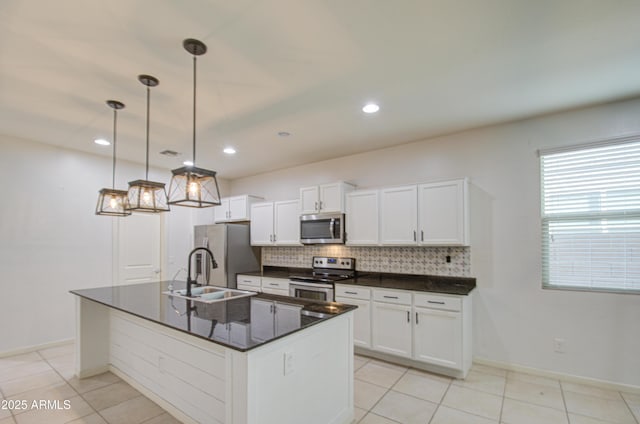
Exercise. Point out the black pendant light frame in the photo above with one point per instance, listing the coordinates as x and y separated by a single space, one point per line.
109 196
206 192
145 195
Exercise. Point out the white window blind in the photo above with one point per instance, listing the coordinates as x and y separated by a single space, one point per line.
591 217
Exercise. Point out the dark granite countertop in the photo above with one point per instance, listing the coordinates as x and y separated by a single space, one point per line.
278 272
426 283
205 320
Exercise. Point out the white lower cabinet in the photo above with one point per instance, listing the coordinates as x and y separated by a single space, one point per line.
437 338
361 297
392 329
278 286
249 282
425 328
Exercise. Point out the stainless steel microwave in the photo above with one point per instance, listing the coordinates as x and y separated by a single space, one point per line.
322 228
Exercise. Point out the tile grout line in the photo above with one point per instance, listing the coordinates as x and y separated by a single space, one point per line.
440 402
564 401
629 408
504 392
77 392
381 397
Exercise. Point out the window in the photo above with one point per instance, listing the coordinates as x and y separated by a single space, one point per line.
591 217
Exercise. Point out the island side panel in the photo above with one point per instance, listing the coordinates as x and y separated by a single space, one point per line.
92 338
182 373
306 377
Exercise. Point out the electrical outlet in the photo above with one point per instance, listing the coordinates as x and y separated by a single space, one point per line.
288 363
559 345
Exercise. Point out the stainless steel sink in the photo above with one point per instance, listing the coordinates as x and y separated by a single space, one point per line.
211 294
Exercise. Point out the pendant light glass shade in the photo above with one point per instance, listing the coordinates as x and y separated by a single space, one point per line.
191 186
112 202
145 195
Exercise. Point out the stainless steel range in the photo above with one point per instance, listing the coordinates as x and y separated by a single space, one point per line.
319 283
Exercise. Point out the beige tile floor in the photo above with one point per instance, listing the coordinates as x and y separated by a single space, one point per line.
384 393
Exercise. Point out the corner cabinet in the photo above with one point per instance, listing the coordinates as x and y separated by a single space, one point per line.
275 224
433 214
235 208
324 198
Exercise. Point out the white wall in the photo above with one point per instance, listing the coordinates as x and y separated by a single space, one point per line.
515 321
52 242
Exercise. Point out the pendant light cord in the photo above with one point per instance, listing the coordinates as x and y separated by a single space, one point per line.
148 101
194 109
113 174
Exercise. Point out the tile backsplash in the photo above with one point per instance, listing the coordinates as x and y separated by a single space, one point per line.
405 260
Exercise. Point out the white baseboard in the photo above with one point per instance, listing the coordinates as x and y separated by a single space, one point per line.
33 348
175 412
628 388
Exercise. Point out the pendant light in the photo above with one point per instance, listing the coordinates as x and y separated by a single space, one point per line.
192 186
145 195
112 202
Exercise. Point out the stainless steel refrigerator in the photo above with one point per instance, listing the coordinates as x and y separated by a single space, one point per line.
232 250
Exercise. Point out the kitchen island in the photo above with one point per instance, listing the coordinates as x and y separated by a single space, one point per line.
258 359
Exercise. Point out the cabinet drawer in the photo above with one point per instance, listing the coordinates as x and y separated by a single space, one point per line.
248 280
388 296
275 283
353 292
438 302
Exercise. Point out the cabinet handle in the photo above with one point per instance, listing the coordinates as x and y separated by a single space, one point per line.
350 292
390 297
274 284
274 238
316 206
271 237
421 235
416 318
433 301
408 316
320 205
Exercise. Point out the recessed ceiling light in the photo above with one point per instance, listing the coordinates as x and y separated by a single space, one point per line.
187 163
229 150
102 142
370 108
284 134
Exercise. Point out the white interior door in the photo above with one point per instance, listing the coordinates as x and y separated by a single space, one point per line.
138 251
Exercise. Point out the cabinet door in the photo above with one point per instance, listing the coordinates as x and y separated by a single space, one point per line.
287 318
362 218
238 208
221 213
442 213
221 332
276 283
399 215
287 222
262 324
391 329
331 198
261 224
438 337
309 200
361 320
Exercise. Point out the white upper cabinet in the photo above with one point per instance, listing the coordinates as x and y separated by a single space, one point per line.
399 215
237 208
286 222
362 215
433 214
261 226
324 198
443 213
275 223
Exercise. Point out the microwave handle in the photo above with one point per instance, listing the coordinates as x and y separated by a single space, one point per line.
332 227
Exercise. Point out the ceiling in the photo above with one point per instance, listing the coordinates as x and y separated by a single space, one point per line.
303 66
